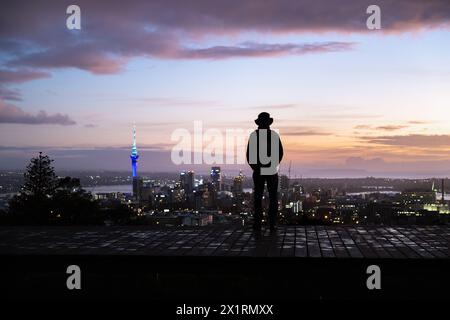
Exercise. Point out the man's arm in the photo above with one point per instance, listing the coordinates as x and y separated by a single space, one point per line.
280 150
248 152
254 166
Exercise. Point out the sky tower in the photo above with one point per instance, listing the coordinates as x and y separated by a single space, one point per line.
134 154
134 157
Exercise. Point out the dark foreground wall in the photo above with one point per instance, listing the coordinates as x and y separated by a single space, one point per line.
220 263
220 279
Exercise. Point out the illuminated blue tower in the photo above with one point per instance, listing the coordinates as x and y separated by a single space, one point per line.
134 155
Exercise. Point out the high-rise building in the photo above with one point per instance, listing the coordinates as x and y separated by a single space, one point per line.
216 178
298 189
134 157
284 182
137 188
187 181
183 179
238 181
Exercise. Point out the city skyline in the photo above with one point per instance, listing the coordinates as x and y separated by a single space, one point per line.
348 101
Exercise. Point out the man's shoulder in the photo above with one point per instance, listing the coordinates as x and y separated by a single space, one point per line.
268 131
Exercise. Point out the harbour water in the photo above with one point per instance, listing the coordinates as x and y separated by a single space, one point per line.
123 188
390 192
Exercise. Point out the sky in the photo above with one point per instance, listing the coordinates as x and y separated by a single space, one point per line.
347 101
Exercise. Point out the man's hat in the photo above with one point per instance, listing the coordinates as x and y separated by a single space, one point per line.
264 119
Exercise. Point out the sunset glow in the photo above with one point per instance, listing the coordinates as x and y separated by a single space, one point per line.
344 98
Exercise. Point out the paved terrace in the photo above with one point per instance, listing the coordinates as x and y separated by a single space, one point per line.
412 242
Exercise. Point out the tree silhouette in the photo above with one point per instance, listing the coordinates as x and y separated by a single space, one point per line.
33 204
71 204
47 199
40 178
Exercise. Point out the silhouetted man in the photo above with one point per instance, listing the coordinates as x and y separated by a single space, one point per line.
264 153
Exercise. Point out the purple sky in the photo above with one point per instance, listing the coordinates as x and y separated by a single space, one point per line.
347 100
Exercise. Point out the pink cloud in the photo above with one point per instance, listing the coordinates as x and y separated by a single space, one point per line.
8 77
73 57
412 140
251 49
12 114
391 127
19 76
112 33
9 94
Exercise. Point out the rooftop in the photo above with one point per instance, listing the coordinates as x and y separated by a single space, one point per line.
408 242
